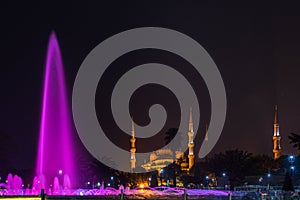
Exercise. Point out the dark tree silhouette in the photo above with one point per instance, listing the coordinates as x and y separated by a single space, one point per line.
154 182
288 184
234 162
295 140
171 172
187 179
170 134
262 164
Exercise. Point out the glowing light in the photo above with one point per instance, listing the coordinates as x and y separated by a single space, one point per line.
142 185
292 167
111 178
60 172
291 158
55 125
223 174
98 184
269 175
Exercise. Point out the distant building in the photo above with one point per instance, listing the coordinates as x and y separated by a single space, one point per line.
160 159
163 157
276 136
132 149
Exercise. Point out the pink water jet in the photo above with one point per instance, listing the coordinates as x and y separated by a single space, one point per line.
55 151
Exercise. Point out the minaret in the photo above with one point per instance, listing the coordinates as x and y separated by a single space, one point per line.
206 139
276 136
206 134
191 155
132 149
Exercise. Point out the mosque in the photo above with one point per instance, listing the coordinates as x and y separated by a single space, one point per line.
163 157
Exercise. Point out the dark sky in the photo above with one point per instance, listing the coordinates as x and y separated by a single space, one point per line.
255 46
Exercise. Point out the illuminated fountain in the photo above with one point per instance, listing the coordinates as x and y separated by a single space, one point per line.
55 167
55 151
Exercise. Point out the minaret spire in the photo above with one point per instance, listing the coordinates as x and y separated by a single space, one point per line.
132 128
276 115
191 145
191 128
206 133
132 149
276 136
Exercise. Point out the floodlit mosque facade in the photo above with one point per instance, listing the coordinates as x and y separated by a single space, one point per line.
163 157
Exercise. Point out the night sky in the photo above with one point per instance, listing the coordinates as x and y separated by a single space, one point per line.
255 46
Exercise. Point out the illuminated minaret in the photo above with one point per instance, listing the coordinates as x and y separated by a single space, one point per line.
132 149
276 136
206 139
191 155
206 134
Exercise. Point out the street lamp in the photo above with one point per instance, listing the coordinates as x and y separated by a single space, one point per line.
269 176
291 159
292 170
207 180
149 181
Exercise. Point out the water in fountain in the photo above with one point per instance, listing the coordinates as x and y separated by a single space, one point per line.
35 186
13 185
17 183
9 181
56 188
66 185
55 151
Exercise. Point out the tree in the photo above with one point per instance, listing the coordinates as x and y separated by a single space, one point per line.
262 164
235 163
170 134
171 172
288 184
185 179
295 140
154 182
